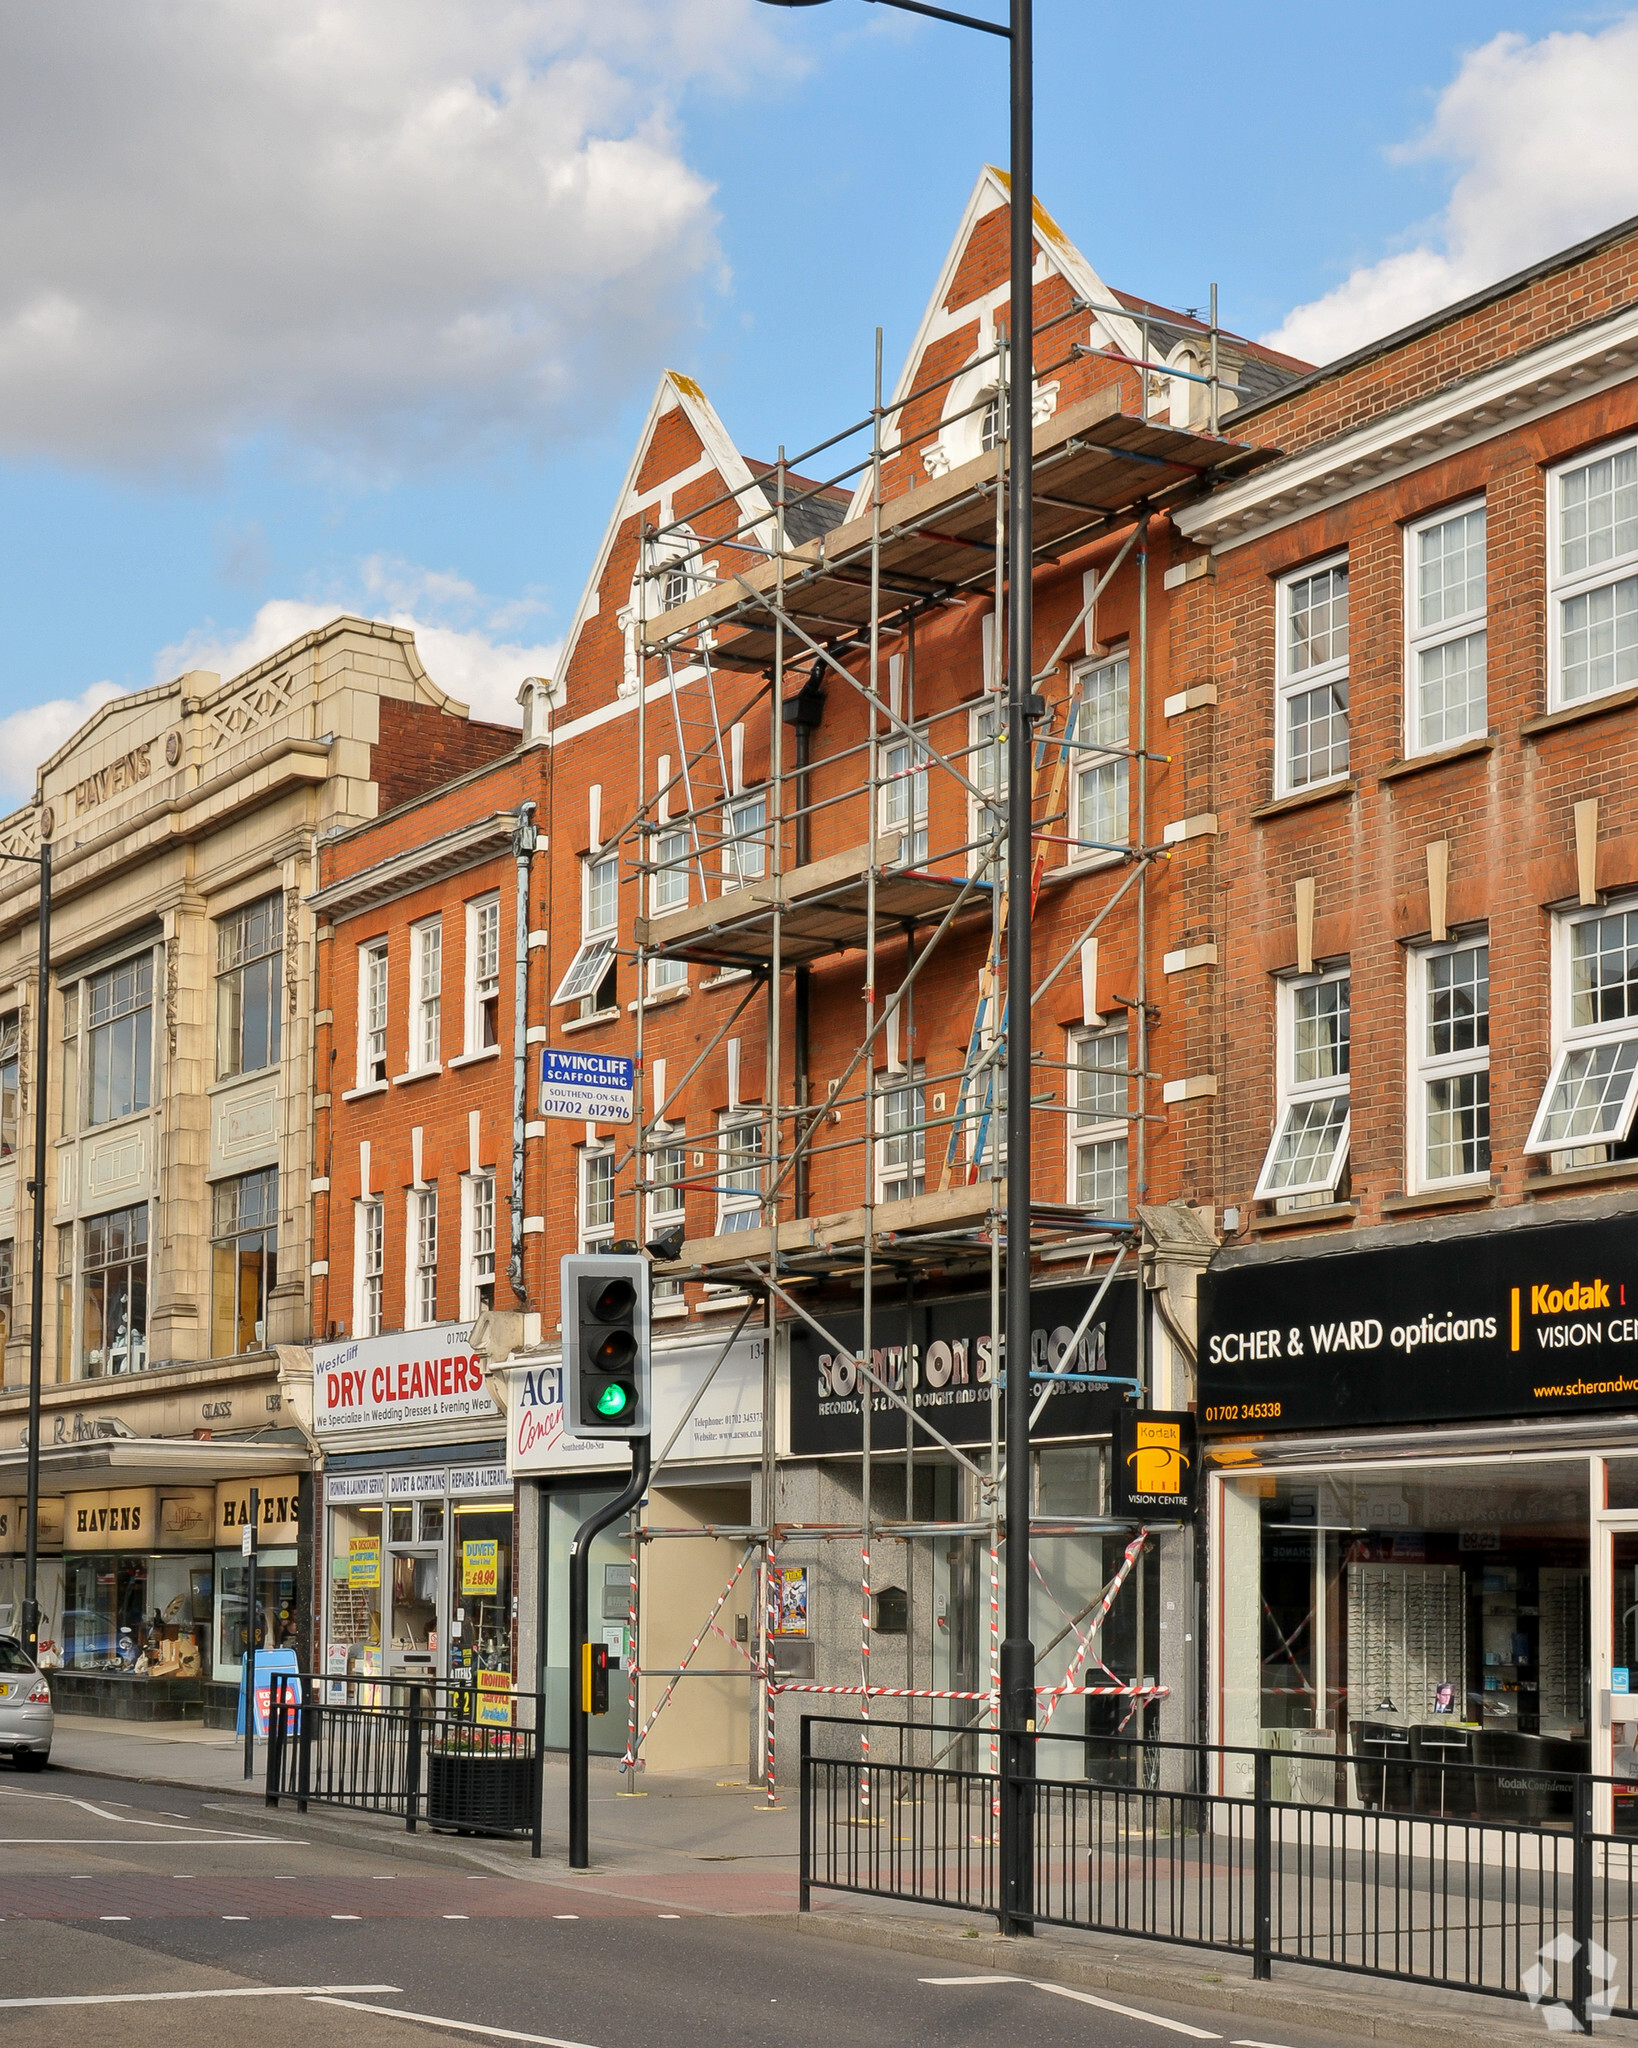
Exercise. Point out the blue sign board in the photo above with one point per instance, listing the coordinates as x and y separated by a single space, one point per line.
587 1087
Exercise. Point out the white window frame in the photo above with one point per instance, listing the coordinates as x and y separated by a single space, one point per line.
745 843
1613 1041
1566 587
426 996
594 1170
666 1204
669 888
374 1009
421 1258
1292 683
479 1224
587 971
986 771
1428 1068
1102 1127
1447 631
898 1178
1296 1100
736 1202
1093 769
902 797
482 970
369 1265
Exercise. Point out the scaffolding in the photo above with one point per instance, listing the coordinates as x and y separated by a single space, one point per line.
802 599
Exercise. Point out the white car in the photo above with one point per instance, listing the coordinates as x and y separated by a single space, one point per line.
26 1719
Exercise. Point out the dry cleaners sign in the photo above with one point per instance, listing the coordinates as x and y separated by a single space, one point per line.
408 1376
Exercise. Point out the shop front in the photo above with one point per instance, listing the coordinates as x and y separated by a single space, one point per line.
708 1397
145 1605
417 1573
1423 1506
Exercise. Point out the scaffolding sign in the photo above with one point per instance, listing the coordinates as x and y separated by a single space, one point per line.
588 1087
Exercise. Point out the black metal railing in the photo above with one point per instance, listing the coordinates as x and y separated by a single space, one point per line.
435 1751
1186 1843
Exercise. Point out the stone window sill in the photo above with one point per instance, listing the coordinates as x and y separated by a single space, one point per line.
417 1074
574 1024
472 1059
1301 1219
369 1088
1441 1198
1326 793
1572 714
1613 1171
1414 764
657 999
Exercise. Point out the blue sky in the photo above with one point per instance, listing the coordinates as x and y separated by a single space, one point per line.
305 308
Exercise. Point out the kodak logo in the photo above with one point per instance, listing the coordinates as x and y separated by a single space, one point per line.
1580 1294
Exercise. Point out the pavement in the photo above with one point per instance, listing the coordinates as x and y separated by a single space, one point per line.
262 1896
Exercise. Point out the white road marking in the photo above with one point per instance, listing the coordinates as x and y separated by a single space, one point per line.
670 1916
132 1820
565 1916
1130 2012
235 1916
429 2019
1259 2044
113 1916
346 1916
222 1991
125 1842
457 1916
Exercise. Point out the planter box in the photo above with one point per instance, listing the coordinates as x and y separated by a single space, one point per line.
479 1794
121 1696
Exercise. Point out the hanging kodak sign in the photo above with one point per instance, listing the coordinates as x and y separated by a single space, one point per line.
1155 1464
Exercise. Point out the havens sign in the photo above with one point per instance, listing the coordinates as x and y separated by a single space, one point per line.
113 780
410 1376
1466 1327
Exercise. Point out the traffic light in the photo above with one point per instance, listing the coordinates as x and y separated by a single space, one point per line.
606 1385
594 1678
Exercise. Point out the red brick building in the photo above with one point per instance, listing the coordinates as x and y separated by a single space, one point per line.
1412 647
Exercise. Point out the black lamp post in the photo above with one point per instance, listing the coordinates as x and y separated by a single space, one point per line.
42 1016
1017 1651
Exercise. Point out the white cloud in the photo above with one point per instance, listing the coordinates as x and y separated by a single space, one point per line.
34 734
469 661
387 229
1546 147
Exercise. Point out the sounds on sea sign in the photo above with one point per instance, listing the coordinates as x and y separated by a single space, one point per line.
587 1087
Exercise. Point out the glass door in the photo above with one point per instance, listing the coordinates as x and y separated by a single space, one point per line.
416 1640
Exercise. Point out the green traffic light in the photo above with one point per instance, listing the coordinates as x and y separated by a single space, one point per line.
613 1400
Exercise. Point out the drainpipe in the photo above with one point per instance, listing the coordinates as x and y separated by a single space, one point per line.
523 853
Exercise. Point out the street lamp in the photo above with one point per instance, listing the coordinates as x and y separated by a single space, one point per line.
42 1012
1017 1651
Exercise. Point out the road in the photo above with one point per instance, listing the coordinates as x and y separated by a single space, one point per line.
149 1915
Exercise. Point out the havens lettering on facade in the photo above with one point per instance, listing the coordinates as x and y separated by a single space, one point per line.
123 1521
113 780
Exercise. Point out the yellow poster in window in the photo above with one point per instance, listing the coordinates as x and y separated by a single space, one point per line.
480 1565
364 1563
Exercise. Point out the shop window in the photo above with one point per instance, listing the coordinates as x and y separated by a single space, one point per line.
1593 575
901 1150
353 1623
423 1239
481 1567
1312 672
902 815
70 1059
10 1045
590 977
143 1614
1450 1048
739 1171
369 1265
483 974
249 951
1100 1095
267 1620
372 1014
119 1019
1445 628
1101 779
1310 1145
427 986
244 1261
745 856
8 1281
114 1292
1586 1111
596 1198
477 1244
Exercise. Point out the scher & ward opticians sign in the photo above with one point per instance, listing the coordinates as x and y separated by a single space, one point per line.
407 1376
1539 1320
939 1357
